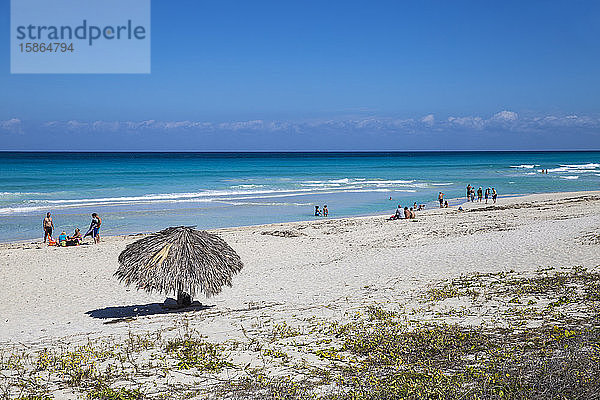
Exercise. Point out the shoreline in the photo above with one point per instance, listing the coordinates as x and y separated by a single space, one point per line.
458 201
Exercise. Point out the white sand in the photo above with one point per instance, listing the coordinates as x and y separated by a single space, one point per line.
332 267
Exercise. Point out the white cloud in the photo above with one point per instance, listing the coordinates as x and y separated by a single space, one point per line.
468 122
507 116
13 125
503 121
428 119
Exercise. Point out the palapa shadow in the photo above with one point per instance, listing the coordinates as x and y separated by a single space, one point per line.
142 310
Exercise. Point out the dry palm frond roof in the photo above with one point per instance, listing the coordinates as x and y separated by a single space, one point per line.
179 259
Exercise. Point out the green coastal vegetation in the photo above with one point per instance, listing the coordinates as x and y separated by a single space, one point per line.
504 335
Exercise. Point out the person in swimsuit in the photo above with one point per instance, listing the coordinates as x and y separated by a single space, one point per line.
62 239
74 240
94 228
48 226
468 191
479 194
487 195
325 210
317 211
494 195
441 199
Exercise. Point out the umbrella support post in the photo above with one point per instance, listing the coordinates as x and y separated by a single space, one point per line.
184 299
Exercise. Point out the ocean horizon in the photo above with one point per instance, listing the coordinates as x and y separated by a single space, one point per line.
146 191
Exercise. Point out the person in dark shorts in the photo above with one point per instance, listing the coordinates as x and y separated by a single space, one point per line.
48 226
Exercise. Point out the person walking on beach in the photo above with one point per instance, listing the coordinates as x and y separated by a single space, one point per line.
441 199
479 194
494 195
48 226
487 195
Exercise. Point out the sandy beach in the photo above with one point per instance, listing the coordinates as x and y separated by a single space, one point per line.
325 267
295 274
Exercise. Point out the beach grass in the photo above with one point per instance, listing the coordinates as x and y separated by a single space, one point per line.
502 335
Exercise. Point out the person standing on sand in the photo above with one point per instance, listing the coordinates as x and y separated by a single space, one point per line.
441 199
468 191
325 211
94 228
487 195
494 195
479 194
48 226
472 194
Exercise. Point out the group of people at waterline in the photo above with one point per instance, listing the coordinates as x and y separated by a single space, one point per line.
489 192
321 212
409 213
401 213
74 240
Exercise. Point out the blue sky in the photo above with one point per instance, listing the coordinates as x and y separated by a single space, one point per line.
335 75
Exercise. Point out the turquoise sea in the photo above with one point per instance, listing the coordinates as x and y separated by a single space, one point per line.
142 192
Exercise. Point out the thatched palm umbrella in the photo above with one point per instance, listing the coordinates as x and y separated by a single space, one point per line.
179 260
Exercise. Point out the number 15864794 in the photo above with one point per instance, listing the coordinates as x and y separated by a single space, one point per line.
55 47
